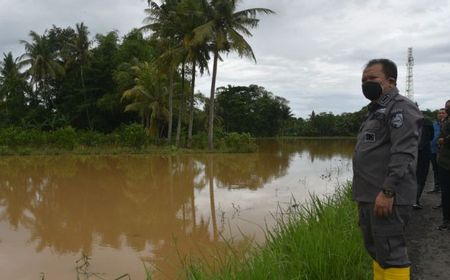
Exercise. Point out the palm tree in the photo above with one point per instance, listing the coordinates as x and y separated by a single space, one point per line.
181 104
225 31
148 97
172 23
161 21
12 85
42 63
193 14
82 56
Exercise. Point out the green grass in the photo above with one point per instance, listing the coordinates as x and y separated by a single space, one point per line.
320 241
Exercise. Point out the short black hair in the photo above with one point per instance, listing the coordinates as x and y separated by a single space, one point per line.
448 101
389 67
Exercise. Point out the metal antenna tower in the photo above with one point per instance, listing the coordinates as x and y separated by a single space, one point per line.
409 75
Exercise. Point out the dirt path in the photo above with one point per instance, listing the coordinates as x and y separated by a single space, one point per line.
429 248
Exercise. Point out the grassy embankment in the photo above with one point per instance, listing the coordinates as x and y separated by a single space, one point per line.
130 139
320 241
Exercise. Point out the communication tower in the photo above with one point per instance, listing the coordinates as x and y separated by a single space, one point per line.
409 75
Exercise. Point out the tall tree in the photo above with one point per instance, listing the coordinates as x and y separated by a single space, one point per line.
81 57
101 85
161 20
193 14
252 110
42 64
148 97
13 88
225 31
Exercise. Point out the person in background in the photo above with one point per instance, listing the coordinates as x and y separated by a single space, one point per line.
443 161
441 115
423 159
384 165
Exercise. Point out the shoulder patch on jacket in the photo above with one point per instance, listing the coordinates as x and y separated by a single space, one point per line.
397 119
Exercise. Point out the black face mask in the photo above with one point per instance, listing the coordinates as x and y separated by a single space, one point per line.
372 90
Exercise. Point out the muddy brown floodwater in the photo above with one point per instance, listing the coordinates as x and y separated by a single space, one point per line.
127 211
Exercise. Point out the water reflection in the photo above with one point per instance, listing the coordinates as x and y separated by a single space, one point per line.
148 207
320 149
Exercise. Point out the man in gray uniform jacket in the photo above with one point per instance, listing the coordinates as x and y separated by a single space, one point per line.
384 166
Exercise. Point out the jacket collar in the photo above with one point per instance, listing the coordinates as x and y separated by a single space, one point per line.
383 100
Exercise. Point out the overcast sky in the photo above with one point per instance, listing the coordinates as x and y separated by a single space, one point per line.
311 52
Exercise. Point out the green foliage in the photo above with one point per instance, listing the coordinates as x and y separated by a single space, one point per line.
200 140
16 137
237 143
252 110
64 138
14 140
326 124
13 91
5 151
92 138
132 135
148 96
316 241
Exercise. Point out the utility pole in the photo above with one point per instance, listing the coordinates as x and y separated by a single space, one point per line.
409 75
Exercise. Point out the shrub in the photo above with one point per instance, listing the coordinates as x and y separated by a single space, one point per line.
132 135
238 143
93 138
15 137
200 140
64 138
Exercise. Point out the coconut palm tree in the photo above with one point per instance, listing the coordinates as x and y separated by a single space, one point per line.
225 31
42 63
193 13
148 97
13 86
174 21
81 56
161 22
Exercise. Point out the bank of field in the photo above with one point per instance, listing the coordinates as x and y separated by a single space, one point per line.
127 139
320 241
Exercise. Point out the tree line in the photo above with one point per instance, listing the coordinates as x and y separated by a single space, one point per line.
65 79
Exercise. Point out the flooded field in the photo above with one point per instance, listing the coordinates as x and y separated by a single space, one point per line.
127 211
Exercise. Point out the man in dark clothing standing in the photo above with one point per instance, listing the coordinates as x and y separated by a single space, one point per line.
444 169
384 166
441 115
423 159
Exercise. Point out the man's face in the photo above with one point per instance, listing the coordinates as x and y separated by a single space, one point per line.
441 115
375 73
447 108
